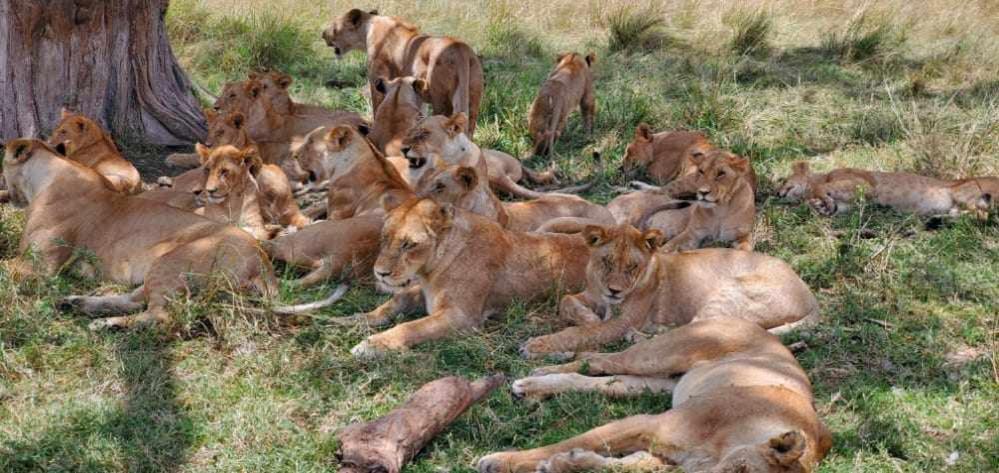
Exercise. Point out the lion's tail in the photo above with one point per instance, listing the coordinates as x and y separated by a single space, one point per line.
459 101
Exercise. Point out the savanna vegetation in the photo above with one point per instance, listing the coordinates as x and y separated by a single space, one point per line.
904 365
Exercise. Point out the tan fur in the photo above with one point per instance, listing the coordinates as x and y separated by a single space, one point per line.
663 156
135 241
723 207
654 288
397 113
741 403
85 142
456 185
569 84
358 175
437 142
834 192
328 248
461 268
395 48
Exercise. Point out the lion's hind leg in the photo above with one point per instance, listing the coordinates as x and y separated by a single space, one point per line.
98 306
585 460
614 386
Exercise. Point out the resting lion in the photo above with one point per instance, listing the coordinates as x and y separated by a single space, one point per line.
84 141
462 268
663 156
456 184
654 288
834 192
741 403
395 48
568 85
230 191
134 241
328 248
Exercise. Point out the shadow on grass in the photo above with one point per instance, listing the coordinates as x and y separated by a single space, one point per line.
150 431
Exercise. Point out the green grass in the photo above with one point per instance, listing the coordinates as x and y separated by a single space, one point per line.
904 365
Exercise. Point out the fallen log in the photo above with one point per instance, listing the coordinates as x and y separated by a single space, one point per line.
387 443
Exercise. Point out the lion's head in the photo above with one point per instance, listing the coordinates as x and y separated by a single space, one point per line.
640 153
781 454
274 88
796 185
238 96
434 138
348 32
620 259
718 175
400 109
226 129
227 170
327 152
409 239
449 185
76 132
978 195
20 184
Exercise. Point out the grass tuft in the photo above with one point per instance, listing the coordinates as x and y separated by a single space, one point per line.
635 30
751 30
867 37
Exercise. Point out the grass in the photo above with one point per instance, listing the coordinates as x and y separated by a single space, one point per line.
904 366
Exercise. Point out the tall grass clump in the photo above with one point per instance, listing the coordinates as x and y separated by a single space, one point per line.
751 30
635 30
866 37
506 39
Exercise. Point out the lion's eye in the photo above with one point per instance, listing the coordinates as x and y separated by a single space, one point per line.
439 188
408 245
721 174
223 173
700 171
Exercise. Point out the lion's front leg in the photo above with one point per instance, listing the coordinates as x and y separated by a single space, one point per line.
616 438
445 321
405 301
578 309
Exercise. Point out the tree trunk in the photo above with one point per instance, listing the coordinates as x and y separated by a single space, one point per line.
107 59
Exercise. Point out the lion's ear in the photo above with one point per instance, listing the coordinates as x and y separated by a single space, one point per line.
253 89
643 132
380 86
591 58
739 163
356 16
64 113
422 88
560 57
339 137
595 235
466 177
801 168
251 159
20 150
456 124
237 119
283 80
653 239
786 448
203 152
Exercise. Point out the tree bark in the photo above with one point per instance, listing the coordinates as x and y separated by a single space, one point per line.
107 59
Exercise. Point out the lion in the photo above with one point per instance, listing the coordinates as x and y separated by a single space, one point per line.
456 184
357 175
462 268
570 83
328 248
400 109
451 69
657 288
723 204
740 403
84 141
133 241
663 156
834 192
231 194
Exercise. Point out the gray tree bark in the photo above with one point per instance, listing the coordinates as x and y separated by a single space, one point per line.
107 59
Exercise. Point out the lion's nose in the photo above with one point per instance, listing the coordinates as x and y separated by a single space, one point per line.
313 177
382 274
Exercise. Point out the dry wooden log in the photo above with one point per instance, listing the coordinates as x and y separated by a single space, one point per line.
385 444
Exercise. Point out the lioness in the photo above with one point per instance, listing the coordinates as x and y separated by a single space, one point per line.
231 194
395 48
569 84
663 156
398 111
456 184
84 141
742 403
135 241
330 247
462 268
667 289
358 175
833 192
723 207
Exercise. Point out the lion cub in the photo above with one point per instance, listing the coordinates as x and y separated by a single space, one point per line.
84 141
462 268
834 192
456 184
663 156
741 403
570 83
655 288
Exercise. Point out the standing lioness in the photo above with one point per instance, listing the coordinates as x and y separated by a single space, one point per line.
669 289
396 48
569 84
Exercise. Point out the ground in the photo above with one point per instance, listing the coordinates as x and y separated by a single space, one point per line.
904 365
